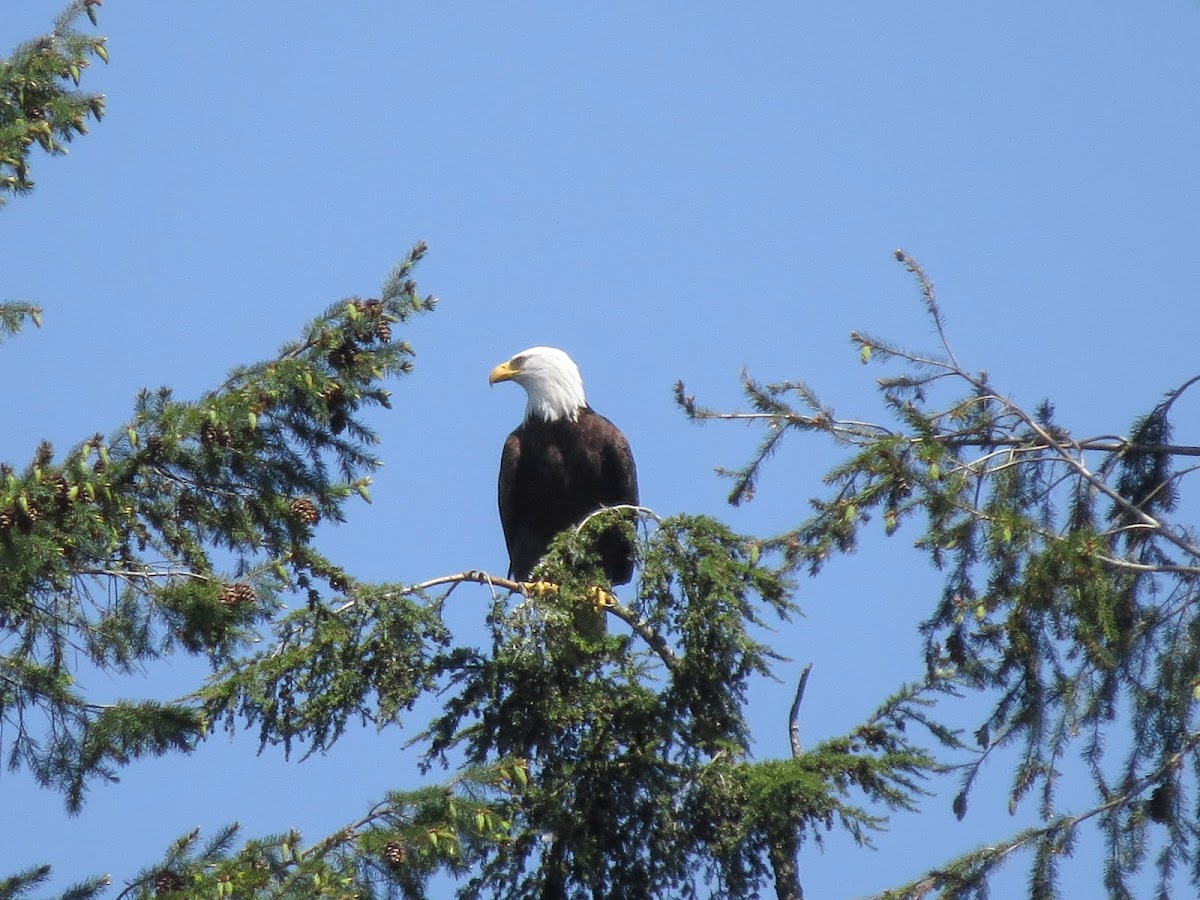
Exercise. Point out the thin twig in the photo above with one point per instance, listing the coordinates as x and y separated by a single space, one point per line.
145 574
848 428
931 304
640 510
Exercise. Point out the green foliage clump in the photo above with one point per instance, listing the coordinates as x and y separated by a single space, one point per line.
391 851
367 659
615 731
39 103
179 530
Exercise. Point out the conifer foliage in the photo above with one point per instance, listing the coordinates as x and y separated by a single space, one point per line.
1069 602
39 103
176 532
569 762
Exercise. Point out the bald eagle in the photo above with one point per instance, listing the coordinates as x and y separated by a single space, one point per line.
562 463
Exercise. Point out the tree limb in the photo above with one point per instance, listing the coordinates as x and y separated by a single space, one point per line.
610 604
794 717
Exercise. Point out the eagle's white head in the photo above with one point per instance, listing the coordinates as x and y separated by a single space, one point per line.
551 380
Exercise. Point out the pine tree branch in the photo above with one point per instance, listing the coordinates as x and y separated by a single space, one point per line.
401 841
37 108
149 573
1130 508
113 552
1070 589
855 431
973 867
647 633
640 626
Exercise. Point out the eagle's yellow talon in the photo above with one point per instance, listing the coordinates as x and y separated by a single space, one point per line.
538 588
601 598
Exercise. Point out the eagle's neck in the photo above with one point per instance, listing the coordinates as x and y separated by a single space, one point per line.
556 398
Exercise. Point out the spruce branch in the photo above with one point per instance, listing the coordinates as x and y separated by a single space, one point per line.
178 532
399 843
973 868
932 309
39 103
1064 614
14 315
610 604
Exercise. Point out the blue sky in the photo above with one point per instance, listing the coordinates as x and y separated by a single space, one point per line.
665 191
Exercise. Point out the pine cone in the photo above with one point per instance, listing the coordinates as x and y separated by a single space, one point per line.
335 402
27 518
306 511
61 489
383 331
166 881
342 357
7 520
337 421
1160 804
237 594
210 434
393 854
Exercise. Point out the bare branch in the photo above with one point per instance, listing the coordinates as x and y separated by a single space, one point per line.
794 717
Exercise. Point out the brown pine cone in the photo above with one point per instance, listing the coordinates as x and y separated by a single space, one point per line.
393 854
306 511
166 881
237 594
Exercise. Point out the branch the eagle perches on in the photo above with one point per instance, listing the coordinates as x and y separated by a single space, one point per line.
608 601
610 604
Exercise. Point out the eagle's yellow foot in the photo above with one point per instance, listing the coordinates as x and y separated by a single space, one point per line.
601 598
538 588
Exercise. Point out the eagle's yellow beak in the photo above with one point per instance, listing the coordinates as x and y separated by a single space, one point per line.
503 372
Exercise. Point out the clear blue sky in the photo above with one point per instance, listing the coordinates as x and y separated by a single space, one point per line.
664 191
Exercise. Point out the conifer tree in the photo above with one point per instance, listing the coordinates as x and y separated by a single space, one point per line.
613 765
564 763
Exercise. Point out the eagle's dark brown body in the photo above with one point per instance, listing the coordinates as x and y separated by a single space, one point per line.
553 474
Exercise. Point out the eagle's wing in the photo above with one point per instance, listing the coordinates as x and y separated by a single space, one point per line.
510 458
